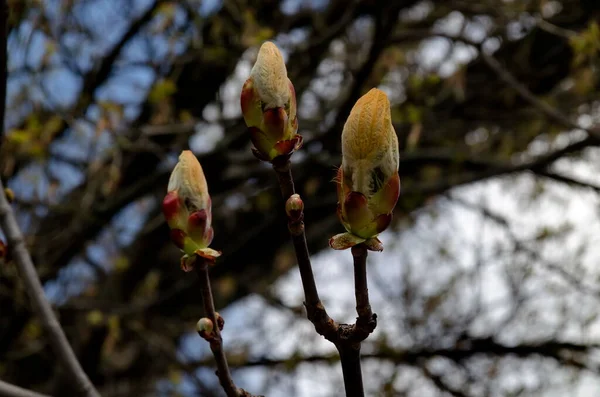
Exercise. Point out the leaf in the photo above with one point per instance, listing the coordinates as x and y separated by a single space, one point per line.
344 241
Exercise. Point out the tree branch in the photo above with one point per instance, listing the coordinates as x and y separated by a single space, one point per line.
215 340
315 310
367 320
346 338
505 75
535 255
463 349
351 370
58 341
365 324
99 74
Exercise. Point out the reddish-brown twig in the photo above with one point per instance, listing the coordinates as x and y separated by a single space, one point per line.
315 310
347 338
214 338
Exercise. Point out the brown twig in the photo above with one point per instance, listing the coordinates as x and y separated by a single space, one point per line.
345 337
58 341
367 320
349 348
351 369
315 310
215 340
8 390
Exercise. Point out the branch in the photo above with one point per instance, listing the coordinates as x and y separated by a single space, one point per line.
463 349
566 180
506 76
367 320
346 338
520 245
385 22
499 169
440 384
8 390
550 111
364 326
58 340
98 75
215 340
315 310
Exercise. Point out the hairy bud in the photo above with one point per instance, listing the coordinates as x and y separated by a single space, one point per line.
187 210
268 102
368 184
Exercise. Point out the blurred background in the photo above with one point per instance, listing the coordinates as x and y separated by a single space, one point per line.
489 283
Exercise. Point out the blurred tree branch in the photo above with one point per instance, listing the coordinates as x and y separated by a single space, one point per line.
58 340
564 352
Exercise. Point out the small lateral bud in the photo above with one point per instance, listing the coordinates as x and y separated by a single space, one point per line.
204 326
220 321
294 206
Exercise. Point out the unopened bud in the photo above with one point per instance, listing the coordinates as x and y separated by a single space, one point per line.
204 326
220 321
187 209
294 206
369 144
268 102
368 184
270 77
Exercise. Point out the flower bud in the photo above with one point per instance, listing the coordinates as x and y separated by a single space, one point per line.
268 102
294 207
187 209
220 321
205 327
368 183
